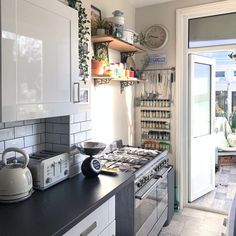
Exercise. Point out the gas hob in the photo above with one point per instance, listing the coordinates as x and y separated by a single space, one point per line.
132 159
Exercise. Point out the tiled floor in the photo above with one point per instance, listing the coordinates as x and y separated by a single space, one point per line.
221 197
191 222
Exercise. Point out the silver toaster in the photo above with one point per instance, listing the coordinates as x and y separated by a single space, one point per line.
48 168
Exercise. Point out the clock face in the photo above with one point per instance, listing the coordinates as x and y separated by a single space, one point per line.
156 37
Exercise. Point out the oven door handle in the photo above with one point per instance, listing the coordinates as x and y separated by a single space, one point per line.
164 175
144 195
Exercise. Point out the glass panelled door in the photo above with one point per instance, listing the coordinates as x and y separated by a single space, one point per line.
202 147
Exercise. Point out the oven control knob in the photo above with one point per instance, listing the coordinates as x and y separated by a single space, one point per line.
142 181
146 178
138 184
48 180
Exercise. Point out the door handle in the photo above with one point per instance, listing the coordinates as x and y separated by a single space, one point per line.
89 229
76 92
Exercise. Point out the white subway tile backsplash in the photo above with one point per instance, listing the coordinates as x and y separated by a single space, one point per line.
32 140
18 142
42 138
89 134
28 150
23 131
49 128
60 148
39 128
79 117
61 128
6 134
80 137
48 146
65 120
86 125
54 120
65 139
72 139
39 147
31 122
52 138
75 128
13 124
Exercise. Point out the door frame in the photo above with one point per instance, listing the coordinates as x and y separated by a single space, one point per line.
182 85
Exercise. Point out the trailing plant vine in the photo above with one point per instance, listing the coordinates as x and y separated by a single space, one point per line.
84 32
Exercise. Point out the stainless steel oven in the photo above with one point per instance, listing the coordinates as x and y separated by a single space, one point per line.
151 203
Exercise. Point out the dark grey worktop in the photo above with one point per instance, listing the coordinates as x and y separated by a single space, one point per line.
56 210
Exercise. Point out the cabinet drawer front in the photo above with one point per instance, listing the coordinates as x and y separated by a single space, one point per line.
110 230
96 222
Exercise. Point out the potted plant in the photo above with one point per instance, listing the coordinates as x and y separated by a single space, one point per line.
97 65
101 25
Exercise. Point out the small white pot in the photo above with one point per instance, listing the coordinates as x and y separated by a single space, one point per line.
100 31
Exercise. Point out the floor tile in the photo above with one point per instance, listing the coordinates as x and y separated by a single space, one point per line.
174 227
192 222
221 197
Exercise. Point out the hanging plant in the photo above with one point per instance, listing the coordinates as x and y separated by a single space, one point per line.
84 32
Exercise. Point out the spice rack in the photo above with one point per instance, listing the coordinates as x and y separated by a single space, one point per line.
155 123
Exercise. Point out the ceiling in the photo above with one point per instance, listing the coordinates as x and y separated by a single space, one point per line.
143 3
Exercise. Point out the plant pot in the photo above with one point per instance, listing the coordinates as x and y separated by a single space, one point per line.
100 31
97 67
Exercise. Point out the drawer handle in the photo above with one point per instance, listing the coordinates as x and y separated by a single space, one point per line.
89 229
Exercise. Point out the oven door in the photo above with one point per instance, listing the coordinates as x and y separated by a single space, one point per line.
162 192
146 207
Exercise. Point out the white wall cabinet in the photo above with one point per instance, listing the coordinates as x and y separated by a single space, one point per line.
39 59
100 222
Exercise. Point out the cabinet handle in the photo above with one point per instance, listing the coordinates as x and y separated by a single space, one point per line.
89 229
76 92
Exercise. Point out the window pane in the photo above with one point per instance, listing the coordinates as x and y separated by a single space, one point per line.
233 101
220 76
212 30
221 104
201 100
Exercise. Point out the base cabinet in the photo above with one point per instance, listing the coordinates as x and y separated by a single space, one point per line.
100 222
110 230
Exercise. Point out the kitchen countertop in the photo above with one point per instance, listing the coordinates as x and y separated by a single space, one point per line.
57 209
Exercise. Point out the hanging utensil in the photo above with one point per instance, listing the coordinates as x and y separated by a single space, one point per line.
156 94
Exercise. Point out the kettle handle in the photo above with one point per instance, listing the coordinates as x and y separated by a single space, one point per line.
15 149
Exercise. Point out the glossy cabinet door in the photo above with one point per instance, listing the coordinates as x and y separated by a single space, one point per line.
99 222
39 59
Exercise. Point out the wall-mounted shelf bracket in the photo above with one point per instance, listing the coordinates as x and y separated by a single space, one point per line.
124 84
101 81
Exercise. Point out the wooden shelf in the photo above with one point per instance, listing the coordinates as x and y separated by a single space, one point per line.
155 108
115 78
154 119
116 44
156 140
154 129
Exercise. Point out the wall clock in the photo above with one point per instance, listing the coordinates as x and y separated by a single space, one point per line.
156 37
